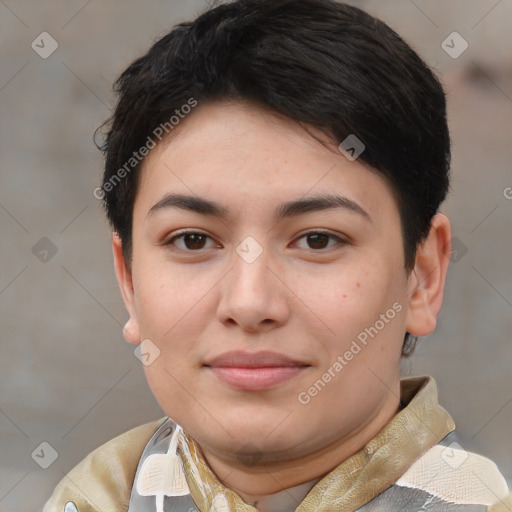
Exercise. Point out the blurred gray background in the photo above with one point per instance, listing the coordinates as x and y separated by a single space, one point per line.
67 377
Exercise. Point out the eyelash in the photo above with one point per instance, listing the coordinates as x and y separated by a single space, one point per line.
170 241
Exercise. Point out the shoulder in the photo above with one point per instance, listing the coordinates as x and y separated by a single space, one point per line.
103 480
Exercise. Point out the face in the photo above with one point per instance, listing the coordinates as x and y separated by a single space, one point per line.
279 320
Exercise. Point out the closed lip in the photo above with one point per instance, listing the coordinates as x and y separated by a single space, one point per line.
262 359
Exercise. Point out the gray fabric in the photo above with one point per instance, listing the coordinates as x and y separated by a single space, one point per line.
449 439
406 499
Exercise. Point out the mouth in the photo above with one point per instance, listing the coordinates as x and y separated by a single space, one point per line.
255 371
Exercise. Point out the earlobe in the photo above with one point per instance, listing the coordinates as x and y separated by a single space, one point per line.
131 330
427 280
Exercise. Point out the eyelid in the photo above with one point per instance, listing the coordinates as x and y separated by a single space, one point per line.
168 241
321 231
185 231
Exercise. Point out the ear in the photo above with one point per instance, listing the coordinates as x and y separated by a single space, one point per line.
131 330
427 280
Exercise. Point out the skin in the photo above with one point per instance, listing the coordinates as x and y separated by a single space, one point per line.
303 299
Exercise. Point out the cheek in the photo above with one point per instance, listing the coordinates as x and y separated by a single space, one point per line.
170 388
164 298
353 299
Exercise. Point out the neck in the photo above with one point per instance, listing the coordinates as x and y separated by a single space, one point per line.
255 483
283 501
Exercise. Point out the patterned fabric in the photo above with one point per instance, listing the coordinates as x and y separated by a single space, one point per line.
415 463
446 478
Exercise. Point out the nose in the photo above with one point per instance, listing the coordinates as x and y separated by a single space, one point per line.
253 295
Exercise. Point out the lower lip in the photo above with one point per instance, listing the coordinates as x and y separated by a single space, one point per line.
256 379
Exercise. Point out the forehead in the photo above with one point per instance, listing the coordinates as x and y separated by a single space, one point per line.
254 158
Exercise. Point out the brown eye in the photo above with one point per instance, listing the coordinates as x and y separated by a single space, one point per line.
188 241
194 241
319 240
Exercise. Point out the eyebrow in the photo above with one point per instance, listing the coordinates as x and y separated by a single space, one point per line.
289 209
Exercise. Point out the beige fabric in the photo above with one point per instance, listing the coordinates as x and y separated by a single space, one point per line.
102 482
501 506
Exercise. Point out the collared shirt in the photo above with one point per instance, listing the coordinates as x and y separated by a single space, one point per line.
413 464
